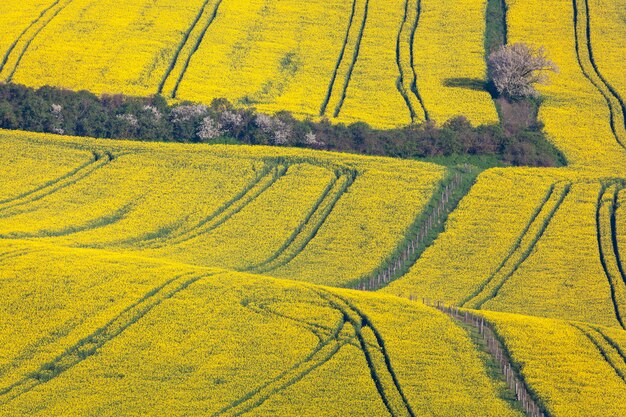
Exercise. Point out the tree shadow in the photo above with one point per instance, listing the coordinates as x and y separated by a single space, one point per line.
475 84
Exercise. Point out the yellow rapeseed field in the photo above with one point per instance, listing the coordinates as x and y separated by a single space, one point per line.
142 277
134 335
344 60
290 213
573 368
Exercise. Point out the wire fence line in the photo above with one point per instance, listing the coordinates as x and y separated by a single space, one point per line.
419 238
494 347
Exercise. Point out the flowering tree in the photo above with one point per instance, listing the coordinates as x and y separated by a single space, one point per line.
516 69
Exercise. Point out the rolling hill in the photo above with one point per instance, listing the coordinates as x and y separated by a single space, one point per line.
143 278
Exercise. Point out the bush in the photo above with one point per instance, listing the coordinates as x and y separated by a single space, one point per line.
54 110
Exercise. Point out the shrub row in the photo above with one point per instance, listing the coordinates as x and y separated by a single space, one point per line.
54 110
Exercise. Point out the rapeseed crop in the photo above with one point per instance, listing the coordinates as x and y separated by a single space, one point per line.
562 364
312 212
121 327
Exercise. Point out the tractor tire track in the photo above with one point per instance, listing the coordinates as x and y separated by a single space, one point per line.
94 158
30 40
181 46
309 228
9 51
613 344
401 82
331 85
355 58
254 189
608 249
603 347
360 321
321 354
97 340
99 161
414 88
586 61
16 253
194 49
106 220
489 289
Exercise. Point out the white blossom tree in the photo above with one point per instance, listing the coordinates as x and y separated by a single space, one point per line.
515 70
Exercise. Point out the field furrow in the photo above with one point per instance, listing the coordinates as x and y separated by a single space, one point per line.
105 220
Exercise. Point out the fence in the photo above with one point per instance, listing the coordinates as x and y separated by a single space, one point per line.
494 347
407 255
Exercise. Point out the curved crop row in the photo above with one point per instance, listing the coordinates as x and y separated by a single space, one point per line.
522 248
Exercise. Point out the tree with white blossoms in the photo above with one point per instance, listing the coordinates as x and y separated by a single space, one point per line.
279 131
209 129
515 70
310 139
188 112
57 113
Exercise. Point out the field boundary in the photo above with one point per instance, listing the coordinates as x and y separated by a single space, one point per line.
421 233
